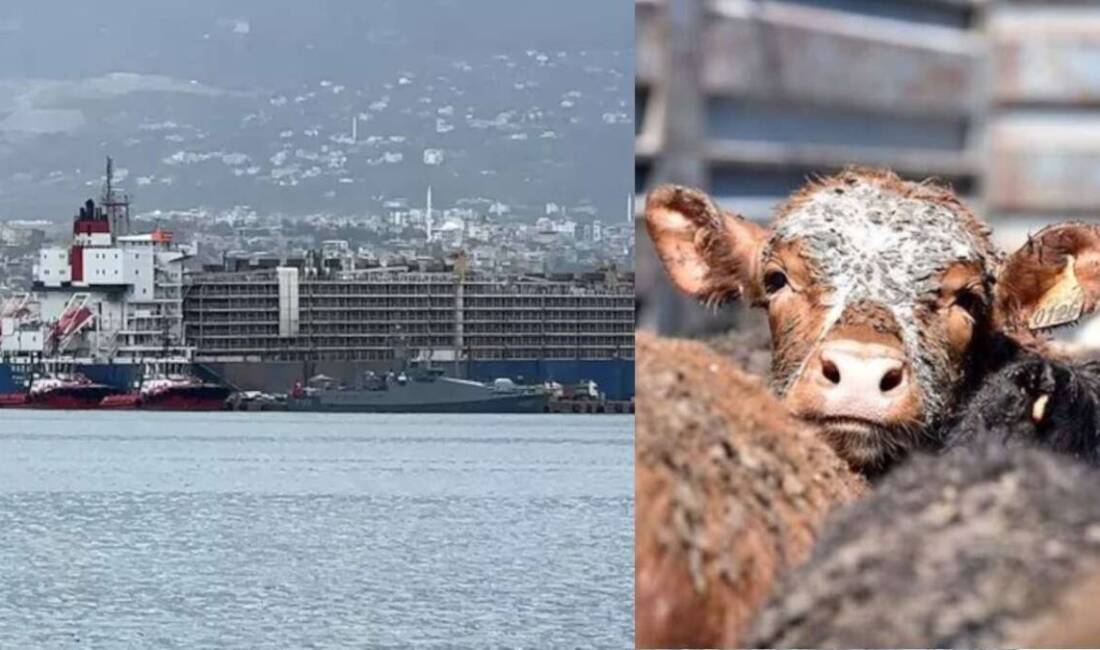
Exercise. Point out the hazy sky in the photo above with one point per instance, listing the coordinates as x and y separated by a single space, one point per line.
75 38
216 69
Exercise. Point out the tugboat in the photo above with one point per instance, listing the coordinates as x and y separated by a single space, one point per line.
171 391
67 391
58 390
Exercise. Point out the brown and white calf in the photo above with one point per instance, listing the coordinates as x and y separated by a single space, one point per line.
887 300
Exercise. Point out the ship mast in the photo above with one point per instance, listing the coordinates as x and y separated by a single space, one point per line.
429 217
116 205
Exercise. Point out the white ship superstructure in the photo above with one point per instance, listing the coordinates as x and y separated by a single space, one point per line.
108 296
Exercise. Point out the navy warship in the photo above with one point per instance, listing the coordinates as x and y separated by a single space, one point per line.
418 390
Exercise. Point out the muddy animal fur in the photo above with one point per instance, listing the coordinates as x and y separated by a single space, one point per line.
1037 401
968 549
730 492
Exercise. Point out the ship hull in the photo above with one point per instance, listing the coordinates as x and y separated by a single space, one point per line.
69 399
204 398
66 402
121 402
13 400
615 377
506 404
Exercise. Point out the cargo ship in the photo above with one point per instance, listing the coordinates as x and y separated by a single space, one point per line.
100 306
111 301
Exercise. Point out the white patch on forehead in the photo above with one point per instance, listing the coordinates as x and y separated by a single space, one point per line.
872 244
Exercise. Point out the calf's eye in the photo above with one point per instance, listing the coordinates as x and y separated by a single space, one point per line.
970 302
774 281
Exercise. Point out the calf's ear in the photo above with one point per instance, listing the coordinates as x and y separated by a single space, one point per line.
1052 280
709 254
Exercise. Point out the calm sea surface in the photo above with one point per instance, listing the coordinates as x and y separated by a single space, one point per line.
301 530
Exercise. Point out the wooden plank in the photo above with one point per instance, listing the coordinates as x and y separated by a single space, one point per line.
650 36
682 123
646 147
959 14
786 52
1011 232
977 4
1044 163
1046 55
913 162
760 209
669 62
738 119
650 132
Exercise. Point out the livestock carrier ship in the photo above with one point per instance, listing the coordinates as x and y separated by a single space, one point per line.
271 328
112 302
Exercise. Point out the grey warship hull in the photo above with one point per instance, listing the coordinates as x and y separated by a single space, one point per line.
440 395
510 404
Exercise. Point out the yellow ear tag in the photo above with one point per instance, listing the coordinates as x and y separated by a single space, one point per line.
1062 304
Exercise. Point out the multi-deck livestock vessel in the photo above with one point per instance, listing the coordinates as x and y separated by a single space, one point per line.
269 329
112 302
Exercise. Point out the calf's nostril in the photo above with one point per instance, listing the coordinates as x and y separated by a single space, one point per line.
891 380
831 372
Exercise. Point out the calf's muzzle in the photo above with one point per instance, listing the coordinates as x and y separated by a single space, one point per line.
847 378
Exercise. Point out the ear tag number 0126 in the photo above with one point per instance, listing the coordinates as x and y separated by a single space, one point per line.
1062 303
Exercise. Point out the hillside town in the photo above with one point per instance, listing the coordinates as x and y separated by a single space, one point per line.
560 240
